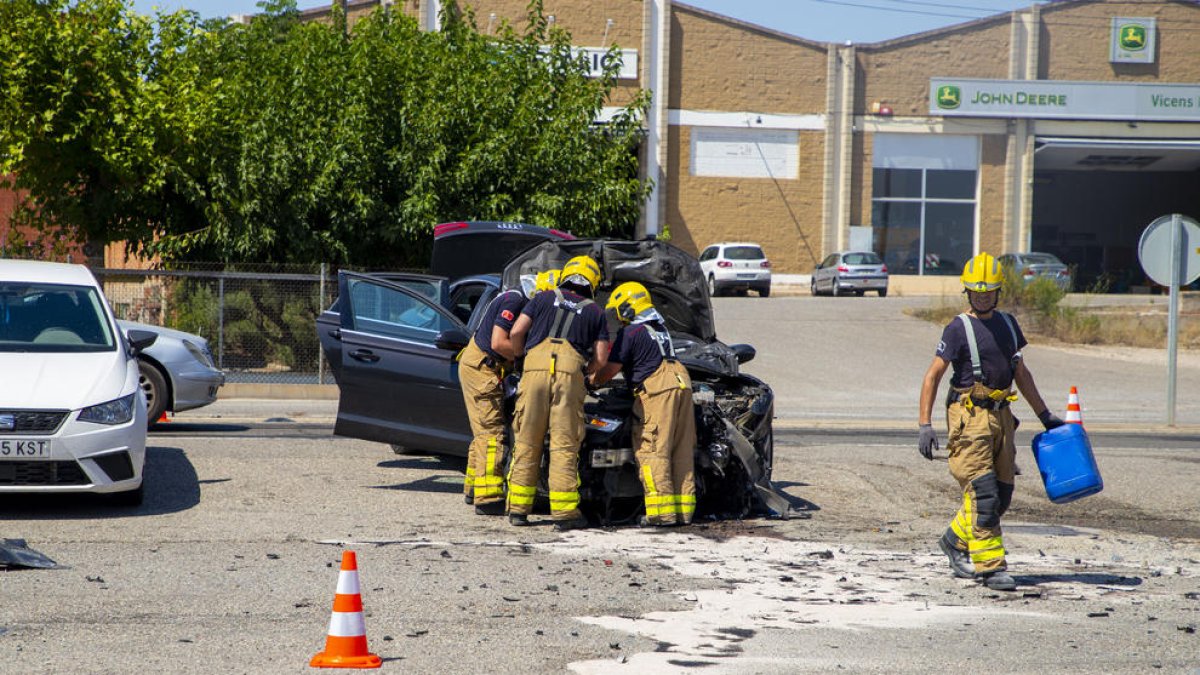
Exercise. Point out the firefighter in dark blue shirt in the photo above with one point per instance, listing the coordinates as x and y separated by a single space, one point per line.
984 346
481 370
564 336
664 422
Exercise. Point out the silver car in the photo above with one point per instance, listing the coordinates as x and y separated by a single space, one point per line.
1030 266
850 272
176 373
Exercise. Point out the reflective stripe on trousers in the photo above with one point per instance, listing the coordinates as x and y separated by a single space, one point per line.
483 394
548 402
983 461
664 437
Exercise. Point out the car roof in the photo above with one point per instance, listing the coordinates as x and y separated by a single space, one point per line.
40 271
736 243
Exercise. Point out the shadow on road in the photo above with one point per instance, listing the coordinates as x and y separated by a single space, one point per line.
170 484
171 428
797 503
429 484
430 462
1084 578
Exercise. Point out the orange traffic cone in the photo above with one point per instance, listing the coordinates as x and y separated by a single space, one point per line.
1074 416
346 644
163 417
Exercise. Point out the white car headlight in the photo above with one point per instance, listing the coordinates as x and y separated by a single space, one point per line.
201 353
118 411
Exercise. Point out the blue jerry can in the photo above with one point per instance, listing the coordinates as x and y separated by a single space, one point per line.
1065 460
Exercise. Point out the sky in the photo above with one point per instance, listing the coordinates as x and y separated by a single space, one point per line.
820 20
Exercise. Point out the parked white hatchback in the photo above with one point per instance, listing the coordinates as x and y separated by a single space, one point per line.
736 266
72 415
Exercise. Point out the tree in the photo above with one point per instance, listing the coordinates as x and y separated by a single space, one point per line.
286 141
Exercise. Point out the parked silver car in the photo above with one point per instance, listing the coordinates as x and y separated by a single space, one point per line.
1030 266
176 373
850 272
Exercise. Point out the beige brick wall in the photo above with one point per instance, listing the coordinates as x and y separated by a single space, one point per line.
721 64
1075 42
861 180
783 216
992 156
897 73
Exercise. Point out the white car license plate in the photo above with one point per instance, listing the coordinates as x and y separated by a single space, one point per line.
19 448
747 276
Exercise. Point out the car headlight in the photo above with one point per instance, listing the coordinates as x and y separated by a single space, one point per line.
118 411
200 353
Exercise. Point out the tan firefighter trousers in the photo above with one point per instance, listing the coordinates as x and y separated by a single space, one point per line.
664 438
551 397
483 393
983 460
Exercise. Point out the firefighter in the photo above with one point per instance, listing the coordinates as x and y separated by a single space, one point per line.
564 336
664 423
481 369
984 346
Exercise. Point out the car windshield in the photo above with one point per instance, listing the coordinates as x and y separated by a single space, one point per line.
52 318
744 253
862 259
1041 259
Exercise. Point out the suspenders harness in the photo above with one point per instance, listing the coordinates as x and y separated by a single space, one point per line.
565 312
663 340
998 398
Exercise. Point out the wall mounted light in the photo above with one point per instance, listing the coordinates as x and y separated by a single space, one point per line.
608 24
550 19
491 20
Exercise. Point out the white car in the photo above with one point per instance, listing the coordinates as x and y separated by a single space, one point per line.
72 416
736 266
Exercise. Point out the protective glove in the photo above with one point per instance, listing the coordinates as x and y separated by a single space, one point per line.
1050 420
928 442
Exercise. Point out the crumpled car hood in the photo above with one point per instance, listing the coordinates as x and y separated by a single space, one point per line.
673 277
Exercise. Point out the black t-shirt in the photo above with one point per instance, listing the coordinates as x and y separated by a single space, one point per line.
502 312
637 352
589 325
996 350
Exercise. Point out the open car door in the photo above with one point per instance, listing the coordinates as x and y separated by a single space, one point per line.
399 382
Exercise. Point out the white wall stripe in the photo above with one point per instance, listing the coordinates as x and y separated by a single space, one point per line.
744 119
347 624
348 583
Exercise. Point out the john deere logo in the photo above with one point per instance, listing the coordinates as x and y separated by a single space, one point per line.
949 97
1133 37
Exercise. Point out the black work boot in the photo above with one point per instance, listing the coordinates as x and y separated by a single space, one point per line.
469 499
960 562
518 519
490 509
999 580
570 524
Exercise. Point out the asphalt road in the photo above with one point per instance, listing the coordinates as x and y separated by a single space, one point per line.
231 563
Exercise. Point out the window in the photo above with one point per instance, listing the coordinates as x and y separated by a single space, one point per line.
863 259
464 299
37 317
386 311
744 253
923 201
709 253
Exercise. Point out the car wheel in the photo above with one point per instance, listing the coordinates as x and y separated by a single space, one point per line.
833 287
401 450
860 293
713 291
764 292
154 386
883 292
812 286
133 497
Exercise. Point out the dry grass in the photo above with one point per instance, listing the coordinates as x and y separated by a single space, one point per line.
1124 326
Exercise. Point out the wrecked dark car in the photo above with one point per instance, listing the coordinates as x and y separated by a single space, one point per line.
398 381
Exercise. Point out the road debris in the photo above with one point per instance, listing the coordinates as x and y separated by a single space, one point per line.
16 553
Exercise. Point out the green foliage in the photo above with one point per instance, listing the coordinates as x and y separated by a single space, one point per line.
285 141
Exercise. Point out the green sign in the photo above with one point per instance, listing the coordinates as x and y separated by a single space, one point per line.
1133 37
949 97
1132 40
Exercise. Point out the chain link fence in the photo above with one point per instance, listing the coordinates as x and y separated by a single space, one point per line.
259 320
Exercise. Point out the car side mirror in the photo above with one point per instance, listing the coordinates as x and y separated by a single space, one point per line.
141 339
452 340
743 353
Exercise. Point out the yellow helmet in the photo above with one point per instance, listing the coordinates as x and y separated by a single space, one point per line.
629 300
547 281
579 270
982 274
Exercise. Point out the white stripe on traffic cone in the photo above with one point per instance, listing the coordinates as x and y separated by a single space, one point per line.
1074 414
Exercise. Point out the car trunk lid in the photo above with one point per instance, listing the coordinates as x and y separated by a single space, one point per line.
464 249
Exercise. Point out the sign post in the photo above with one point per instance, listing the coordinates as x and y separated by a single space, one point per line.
1169 251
